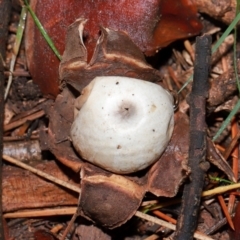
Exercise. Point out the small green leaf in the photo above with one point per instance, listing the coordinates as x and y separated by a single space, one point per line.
218 179
16 46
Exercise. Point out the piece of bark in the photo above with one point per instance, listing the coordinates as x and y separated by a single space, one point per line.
168 173
188 217
222 10
26 151
60 121
5 7
24 190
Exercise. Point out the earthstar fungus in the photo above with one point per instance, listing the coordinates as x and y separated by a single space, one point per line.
107 198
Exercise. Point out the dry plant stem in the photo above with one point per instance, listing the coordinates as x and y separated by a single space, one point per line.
219 190
235 154
22 129
72 210
164 216
42 174
168 225
173 76
41 213
17 73
24 114
187 220
70 224
10 78
190 49
225 210
5 6
230 148
23 120
57 228
217 226
19 138
152 237
223 59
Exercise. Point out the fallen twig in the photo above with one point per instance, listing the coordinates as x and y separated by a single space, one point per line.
187 220
225 211
23 120
235 155
5 7
168 225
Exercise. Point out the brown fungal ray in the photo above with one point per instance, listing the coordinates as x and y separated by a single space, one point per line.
115 55
216 158
61 115
108 199
169 172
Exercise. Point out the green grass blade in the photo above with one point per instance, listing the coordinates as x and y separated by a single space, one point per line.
226 33
227 120
237 106
20 30
43 31
16 47
186 83
221 180
235 49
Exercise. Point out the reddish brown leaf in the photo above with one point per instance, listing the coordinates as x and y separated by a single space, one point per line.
109 199
43 235
140 19
236 222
